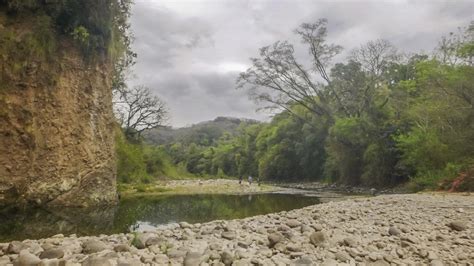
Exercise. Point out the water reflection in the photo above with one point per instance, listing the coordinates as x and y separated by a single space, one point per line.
142 213
18 224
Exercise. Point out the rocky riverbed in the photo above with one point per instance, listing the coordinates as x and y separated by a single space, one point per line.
416 229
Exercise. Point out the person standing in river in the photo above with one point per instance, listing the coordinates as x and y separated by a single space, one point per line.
240 180
250 180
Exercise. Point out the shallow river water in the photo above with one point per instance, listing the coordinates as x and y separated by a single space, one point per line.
143 213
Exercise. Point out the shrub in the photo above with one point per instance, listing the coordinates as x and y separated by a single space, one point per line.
423 150
141 163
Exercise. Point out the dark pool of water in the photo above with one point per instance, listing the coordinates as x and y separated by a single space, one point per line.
141 213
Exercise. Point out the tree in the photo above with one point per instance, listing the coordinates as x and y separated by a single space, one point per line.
137 110
457 48
126 58
277 79
375 119
375 56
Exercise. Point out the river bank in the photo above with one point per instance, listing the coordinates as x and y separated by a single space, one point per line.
196 186
342 188
424 229
233 187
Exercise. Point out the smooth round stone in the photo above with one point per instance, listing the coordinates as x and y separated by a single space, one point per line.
52 253
93 246
317 238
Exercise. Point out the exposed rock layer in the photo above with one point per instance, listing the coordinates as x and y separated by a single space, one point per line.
56 121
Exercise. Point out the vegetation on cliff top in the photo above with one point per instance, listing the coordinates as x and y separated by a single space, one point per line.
100 29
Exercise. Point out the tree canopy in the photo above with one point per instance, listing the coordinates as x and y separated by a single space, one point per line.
378 118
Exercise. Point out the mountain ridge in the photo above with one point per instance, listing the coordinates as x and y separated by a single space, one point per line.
204 133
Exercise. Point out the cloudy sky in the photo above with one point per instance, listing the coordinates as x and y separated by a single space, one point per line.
191 51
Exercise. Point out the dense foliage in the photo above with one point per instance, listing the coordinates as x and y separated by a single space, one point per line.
380 118
141 163
100 28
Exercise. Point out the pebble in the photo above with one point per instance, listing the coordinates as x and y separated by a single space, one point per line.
25 258
192 259
350 242
52 253
229 235
185 225
393 231
436 263
378 263
122 248
14 247
175 253
329 262
303 261
274 238
93 246
379 231
458 225
96 261
293 247
318 227
227 258
317 238
293 223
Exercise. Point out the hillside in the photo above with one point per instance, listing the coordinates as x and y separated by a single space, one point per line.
204 133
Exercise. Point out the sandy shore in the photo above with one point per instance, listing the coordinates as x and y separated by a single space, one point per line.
414 229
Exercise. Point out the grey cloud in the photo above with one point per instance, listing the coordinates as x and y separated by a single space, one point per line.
219 85
184 46
172 87
161 35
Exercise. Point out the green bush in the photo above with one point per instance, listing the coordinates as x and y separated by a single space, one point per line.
141 163
99 27
81 35
345 148
131 165
433 179
423 150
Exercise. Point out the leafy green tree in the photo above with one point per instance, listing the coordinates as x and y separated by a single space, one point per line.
376 119
290 148
441 118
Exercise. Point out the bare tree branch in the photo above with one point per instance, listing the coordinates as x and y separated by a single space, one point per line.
138 110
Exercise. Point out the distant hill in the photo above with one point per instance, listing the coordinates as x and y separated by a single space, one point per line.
204 133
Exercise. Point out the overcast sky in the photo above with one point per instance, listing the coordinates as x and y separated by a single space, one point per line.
191 51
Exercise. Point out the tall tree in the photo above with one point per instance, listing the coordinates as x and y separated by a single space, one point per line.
279 80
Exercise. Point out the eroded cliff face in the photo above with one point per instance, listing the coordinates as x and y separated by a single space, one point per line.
56 121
